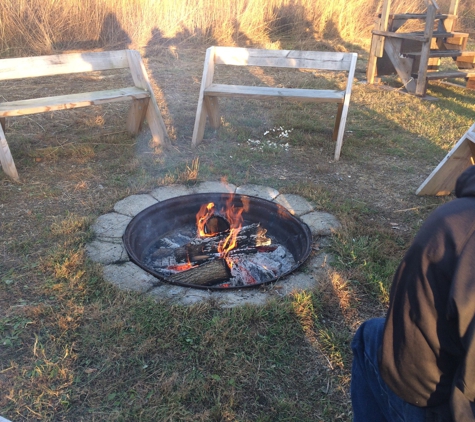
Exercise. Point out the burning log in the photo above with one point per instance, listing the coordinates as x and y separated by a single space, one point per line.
249 237
207 274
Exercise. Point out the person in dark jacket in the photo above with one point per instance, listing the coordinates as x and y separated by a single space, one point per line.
418 363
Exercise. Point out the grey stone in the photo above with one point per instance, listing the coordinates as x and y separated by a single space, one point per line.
296 282
210 187
161 292
295 204
129 276
194 296
106 252
233 299
321 223
111 226
259 191
133 204
166 192
320 261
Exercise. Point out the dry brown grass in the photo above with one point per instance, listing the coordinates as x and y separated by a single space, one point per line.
46 26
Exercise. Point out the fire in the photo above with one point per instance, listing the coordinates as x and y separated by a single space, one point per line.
181 267
205 212
234 217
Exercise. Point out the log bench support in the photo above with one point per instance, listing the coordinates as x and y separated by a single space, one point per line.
143 106
208 106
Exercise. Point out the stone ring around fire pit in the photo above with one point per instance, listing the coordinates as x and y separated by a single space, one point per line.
108 247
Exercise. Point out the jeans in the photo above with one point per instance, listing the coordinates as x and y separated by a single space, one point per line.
372 399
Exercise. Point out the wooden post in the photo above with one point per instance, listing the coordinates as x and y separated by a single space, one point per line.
449 23
6 158
377 42
403 65
201 111
421 85
154 118
136 116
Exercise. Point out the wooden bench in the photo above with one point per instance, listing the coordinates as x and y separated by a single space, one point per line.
144 104
209 91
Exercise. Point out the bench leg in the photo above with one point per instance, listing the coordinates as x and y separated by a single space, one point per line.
200 123
212 107
337 122
6 158
154 118
342 114
136 116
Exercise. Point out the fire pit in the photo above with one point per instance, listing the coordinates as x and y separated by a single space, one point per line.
217 241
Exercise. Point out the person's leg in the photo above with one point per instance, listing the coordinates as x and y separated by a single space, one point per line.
372 399
365 392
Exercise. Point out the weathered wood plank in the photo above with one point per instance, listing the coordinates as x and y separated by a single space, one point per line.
266 92
153 115
442 179
60 64
62 102
448 74
136 116
402 65
296 59
6 158
402 35
201 110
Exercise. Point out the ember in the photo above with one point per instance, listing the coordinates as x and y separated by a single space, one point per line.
230 241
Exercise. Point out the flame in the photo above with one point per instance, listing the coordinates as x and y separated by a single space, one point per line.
234 218
205 212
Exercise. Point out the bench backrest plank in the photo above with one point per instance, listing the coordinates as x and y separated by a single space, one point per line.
283 58
62 64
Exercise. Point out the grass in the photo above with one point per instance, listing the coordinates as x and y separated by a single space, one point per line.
72 347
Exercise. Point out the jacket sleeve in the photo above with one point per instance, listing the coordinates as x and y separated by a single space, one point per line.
463 308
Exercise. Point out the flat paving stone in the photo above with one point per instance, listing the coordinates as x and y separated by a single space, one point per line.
111 226
295 204
129 276
167 192
194 296
133 204
218 187
297 282
235 298
259 191
321 223
106 252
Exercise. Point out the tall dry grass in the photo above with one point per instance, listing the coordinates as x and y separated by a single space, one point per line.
45 26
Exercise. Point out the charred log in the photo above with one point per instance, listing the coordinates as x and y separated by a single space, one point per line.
249 237
207 274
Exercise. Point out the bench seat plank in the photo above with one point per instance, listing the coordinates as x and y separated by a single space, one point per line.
265 92
62 102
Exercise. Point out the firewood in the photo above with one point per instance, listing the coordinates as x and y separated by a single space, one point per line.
250 236
207 274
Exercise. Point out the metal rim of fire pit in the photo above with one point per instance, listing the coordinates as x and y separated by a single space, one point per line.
155 221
